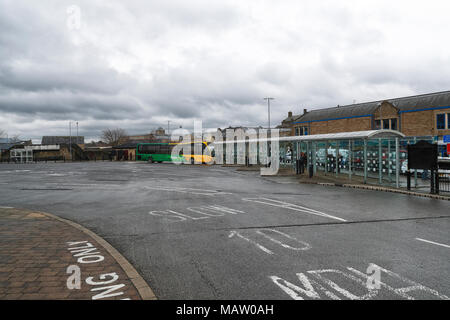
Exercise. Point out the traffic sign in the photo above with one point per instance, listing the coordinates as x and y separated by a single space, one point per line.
446 139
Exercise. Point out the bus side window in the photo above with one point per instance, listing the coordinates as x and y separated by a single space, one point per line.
164 149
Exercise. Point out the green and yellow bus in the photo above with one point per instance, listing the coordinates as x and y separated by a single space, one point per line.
160 152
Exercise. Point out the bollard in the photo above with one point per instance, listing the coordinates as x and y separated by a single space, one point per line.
432 181
311 171
408 180
436 188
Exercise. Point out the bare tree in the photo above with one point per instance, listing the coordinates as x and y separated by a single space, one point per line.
2 133
15 138
114 137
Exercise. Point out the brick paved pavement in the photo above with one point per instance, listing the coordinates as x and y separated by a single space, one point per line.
35 255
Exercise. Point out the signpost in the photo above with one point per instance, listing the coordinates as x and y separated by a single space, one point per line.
424 155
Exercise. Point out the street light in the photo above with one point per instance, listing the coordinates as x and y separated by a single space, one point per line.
168 128
70 139
268 107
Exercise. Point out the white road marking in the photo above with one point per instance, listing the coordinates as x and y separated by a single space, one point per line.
403 291
3 207
189 190
205 212
225 209
314 284
290 206
235 233
217 210
209 212
306 246
432 242
263 232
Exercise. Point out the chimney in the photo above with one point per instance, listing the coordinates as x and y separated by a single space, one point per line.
290 114
305 111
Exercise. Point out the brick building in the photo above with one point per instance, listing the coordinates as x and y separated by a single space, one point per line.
51 140
421 115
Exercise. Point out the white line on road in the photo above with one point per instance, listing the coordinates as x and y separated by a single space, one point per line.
235 233
432 242
189 190
291 206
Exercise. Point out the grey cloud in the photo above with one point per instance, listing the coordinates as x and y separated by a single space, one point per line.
138 64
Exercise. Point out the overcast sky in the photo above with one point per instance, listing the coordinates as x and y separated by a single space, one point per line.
137 64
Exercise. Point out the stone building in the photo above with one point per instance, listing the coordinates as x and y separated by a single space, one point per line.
421 115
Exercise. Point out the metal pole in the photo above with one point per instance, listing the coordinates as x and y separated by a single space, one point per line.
380 162
350 159
268 108
77 140
314 159
389 160
365 161
168 129
397 164
70 139
415 171
337 157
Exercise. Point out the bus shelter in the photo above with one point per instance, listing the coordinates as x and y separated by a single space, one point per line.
376 154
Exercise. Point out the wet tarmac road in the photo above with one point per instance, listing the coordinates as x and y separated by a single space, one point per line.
200 232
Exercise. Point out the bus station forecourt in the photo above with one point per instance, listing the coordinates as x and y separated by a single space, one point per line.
218 232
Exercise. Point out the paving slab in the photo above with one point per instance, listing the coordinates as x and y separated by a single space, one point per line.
44 257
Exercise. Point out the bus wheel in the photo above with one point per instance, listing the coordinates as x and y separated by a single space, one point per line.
150 160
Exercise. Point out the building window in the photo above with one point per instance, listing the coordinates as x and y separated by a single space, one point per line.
440 121
387 124
394 124
301 131
377 124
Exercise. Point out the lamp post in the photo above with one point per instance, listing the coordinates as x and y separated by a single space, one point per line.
268 108
70 139
168 129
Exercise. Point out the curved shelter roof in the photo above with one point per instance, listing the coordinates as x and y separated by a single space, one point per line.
413 103
354 135
370 134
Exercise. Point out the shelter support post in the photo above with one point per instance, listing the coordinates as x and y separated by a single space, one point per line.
350 159
365 161
397 163
380 161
